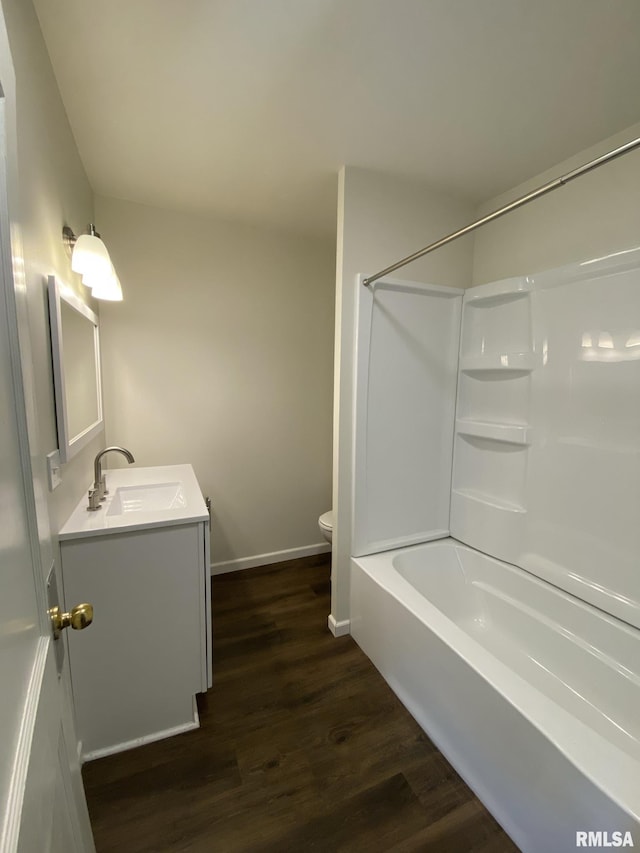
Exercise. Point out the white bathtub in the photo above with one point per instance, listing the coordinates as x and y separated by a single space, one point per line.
533 696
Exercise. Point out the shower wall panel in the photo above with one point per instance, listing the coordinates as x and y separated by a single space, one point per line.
547 441
492 433
406 369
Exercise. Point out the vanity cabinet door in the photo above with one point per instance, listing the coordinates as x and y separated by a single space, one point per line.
136 670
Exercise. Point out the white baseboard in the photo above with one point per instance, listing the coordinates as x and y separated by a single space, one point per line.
339 629
267 559
141 741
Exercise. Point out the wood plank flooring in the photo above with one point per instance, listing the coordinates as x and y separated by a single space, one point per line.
302 747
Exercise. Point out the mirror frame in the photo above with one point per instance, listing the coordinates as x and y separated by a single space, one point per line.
70 445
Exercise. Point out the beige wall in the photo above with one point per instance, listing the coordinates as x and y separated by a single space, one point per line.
221 356
50 190
595 215
380 220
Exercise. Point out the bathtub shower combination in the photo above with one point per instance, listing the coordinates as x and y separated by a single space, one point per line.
495 581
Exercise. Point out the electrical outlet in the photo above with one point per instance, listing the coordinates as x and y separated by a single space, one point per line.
54 469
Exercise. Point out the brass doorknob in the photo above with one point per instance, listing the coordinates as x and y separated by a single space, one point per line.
81 616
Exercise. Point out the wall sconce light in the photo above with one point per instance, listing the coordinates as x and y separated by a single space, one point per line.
90 259
108 288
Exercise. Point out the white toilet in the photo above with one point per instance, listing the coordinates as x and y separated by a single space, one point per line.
325 523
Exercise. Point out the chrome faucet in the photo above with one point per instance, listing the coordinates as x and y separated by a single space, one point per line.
99 489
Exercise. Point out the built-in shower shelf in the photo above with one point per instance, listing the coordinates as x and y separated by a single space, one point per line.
478 497
497 293
509 433
523 362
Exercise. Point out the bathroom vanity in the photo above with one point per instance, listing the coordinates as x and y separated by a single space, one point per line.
142 561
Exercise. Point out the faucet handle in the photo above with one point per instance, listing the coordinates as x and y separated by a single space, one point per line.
94 500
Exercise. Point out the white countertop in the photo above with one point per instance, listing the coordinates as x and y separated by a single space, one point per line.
189 508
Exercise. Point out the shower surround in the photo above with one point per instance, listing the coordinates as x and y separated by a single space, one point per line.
519 652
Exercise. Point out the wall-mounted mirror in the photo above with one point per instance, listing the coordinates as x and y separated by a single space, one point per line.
75 348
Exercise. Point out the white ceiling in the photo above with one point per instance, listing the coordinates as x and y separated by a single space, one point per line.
248 108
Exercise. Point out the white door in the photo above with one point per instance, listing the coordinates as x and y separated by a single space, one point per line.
42 806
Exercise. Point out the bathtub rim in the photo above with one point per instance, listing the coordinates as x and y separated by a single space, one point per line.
600 760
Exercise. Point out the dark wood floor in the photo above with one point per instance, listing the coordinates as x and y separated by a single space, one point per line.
302 747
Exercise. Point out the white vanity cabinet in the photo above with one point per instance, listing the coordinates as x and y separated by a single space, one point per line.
145 569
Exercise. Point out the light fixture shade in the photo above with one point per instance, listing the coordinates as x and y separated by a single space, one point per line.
108 287
90 257
93 279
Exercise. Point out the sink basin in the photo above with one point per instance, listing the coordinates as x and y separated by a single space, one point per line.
139 499
147 498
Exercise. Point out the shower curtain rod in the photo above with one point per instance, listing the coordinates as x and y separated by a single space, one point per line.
513 205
